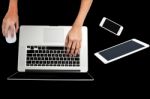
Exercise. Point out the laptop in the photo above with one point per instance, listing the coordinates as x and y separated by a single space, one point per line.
42 55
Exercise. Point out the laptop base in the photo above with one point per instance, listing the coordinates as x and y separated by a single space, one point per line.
51 76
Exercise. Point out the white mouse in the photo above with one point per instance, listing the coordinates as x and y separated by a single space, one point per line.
9 38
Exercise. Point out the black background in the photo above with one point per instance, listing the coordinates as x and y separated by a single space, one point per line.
130 73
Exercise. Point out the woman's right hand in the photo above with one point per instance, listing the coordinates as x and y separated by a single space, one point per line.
10 21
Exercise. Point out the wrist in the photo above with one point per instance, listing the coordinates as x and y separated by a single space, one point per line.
77 26
13 6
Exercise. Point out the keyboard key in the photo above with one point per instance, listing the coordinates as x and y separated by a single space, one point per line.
78 62
50 58
43 47
37 62
40 62
51 51
60 55
39 47
58 51
54 51
30 51
54 58
72 58
28 58
76 58
33 62
61 58
28 62
31 58
56 55
70 62
46 58
35 58
52 55
48 62
57 58
43 51
63 62
55 62
59 62
40 51
36 51
44 62
32 47
28 55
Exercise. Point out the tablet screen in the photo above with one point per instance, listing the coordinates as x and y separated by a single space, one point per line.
120 50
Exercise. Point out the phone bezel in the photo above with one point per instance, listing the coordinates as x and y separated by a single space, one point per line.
103 21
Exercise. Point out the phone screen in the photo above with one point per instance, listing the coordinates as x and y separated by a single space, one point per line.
111 26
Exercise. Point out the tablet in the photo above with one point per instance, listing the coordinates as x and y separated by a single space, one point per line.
121 50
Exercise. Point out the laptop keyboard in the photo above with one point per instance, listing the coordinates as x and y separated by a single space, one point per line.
50 56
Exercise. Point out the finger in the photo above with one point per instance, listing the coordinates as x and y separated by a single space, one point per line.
77 52
77 48
6 30
69 46
17 26
12 30
3 28
73 48
66 41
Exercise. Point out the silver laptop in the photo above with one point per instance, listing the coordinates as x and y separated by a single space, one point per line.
42 55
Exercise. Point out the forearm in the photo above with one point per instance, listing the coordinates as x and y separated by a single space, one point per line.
13 6
84 8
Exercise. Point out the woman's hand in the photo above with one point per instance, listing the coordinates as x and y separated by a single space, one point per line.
11 19
9 22
73 41
74 37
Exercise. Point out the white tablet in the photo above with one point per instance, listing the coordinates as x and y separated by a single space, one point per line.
121 50
111 26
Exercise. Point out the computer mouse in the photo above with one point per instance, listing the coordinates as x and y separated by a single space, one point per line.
9 38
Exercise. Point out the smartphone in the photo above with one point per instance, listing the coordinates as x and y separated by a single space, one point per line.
111 26
121 50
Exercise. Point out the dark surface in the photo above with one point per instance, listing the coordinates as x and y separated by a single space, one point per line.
127 73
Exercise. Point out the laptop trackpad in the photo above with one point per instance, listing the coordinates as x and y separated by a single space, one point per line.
53 35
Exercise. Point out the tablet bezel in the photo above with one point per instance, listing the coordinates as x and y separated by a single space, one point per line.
105 61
